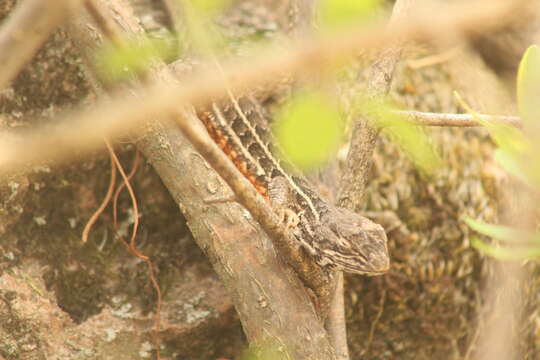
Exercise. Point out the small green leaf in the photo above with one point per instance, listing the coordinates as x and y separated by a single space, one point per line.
528 86
504 233
308 130
505 253
410 137
268 351
509 163
338 13
510 139
209 7
134 57
204 36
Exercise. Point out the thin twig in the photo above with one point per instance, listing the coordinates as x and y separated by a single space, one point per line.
374 323
359 158
121 187
112 32
26 30
335 323
132 247
120 168
86 130
456 120
365 133
104 203
432 60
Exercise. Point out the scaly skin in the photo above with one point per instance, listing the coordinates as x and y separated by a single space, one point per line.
336 238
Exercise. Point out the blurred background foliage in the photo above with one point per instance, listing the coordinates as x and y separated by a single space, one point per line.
517 153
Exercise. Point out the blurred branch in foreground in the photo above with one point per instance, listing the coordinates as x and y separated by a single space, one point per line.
86 130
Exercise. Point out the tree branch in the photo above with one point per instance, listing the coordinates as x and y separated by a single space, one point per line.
86 130
456 120
27 28
310 273
359 161
364 134
335 323
263 287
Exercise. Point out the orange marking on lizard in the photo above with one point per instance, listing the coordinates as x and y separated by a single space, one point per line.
221 140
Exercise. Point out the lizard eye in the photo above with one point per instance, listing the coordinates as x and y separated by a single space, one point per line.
359 245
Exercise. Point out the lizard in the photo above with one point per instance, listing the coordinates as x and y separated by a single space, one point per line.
336 238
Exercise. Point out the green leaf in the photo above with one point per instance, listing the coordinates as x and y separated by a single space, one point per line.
507 234
267 351
204 36
505 253
512 164
308 130
528 86
134 57
209 7
339 13
410 137
510 139
504 233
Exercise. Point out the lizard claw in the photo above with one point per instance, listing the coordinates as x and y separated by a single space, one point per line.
288 218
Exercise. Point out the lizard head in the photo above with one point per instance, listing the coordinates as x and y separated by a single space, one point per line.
353 243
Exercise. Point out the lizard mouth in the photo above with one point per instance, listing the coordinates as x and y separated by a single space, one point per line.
373 267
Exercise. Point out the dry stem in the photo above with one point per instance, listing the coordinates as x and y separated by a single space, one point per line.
456 120
86 130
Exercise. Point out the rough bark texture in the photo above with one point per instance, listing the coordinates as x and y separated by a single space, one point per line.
264 289
97 294
364 133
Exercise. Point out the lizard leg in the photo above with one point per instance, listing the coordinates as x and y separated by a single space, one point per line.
281 200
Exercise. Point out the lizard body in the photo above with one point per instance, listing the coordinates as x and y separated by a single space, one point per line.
336 238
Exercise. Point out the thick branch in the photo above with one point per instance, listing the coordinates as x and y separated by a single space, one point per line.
246 195
86 130
264 289
26 30
251 200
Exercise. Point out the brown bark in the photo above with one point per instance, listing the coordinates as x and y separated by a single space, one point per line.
364 134
359 159
263 287
61 299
